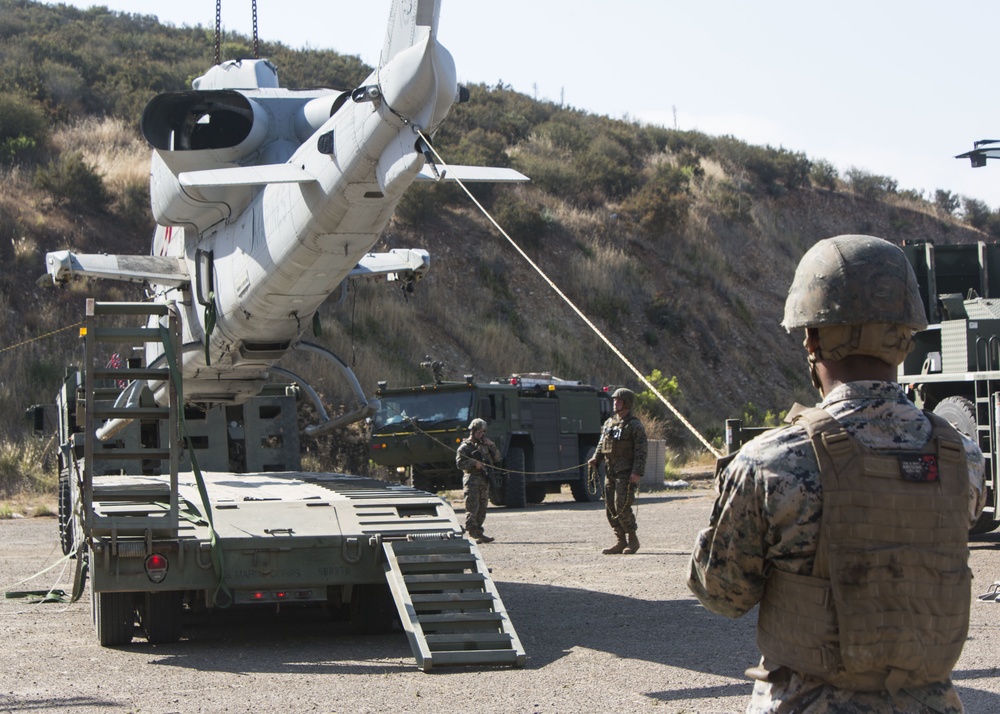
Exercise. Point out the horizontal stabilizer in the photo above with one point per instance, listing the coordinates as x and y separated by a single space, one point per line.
472 174
245 176
406 264
62 265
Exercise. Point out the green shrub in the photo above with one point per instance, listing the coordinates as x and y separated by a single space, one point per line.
525 223
774 169
73 182
662 204
23 127
648 402
607 166
946 201
755 416
975 212
824 175
868 185
663 312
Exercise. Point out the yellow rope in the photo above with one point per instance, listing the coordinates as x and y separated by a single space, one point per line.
577 310
40 337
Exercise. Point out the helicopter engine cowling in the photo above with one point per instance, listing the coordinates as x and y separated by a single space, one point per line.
195 131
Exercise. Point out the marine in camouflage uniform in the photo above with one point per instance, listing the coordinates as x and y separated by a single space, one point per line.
623 448
769 516
475 456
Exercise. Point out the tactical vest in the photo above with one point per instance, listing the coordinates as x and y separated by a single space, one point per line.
887 605
615 447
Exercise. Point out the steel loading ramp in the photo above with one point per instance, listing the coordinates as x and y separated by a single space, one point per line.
448 605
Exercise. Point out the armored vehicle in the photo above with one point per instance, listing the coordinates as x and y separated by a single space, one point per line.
954 369
546 429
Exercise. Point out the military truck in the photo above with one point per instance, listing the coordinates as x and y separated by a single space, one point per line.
954 369
546 429
182 506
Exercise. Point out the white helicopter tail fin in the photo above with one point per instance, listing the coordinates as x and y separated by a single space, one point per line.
410 21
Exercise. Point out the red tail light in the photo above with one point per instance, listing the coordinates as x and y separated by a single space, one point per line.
156 567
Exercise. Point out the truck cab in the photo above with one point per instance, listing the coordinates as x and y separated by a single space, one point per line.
546 429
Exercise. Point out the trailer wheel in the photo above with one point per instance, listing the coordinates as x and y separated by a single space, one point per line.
585 491
962 415
160 616
373 611
514 492
114 617
67 538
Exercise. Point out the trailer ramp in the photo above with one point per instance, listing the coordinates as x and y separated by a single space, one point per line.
448 604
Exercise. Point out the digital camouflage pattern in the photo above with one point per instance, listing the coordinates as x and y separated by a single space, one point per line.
623 445
623 448
767 515
475 482
854 279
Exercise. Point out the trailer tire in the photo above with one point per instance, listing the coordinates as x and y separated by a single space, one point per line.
583 490
160 616
67 538
961 413
514 494
114 617
373 611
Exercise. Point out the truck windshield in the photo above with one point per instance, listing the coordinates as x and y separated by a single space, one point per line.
437 410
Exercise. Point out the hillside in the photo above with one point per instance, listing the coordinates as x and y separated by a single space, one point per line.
679 246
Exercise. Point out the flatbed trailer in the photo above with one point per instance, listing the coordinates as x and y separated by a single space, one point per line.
159 535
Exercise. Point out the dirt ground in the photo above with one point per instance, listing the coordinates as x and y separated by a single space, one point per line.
602 633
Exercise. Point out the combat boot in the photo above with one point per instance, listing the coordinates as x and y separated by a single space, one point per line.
633 543
618 547
483 538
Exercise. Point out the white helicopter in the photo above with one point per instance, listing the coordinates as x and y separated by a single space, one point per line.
268 200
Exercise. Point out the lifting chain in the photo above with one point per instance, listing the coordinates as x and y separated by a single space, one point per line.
218 31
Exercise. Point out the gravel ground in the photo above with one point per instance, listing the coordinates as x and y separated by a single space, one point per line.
601 633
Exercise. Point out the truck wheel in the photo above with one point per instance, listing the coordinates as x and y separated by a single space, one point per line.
498 488
114 617
583 489
160 616
513 479
534 492
961 412
986 523
418 480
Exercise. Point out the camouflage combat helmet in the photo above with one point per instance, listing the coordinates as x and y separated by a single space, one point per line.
477 424
626 395
852 280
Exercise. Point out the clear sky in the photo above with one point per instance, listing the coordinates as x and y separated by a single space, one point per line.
892 87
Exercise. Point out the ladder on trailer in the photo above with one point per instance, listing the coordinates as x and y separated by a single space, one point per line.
114 504
448 604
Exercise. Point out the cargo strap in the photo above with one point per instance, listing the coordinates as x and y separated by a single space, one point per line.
221 596
448 605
